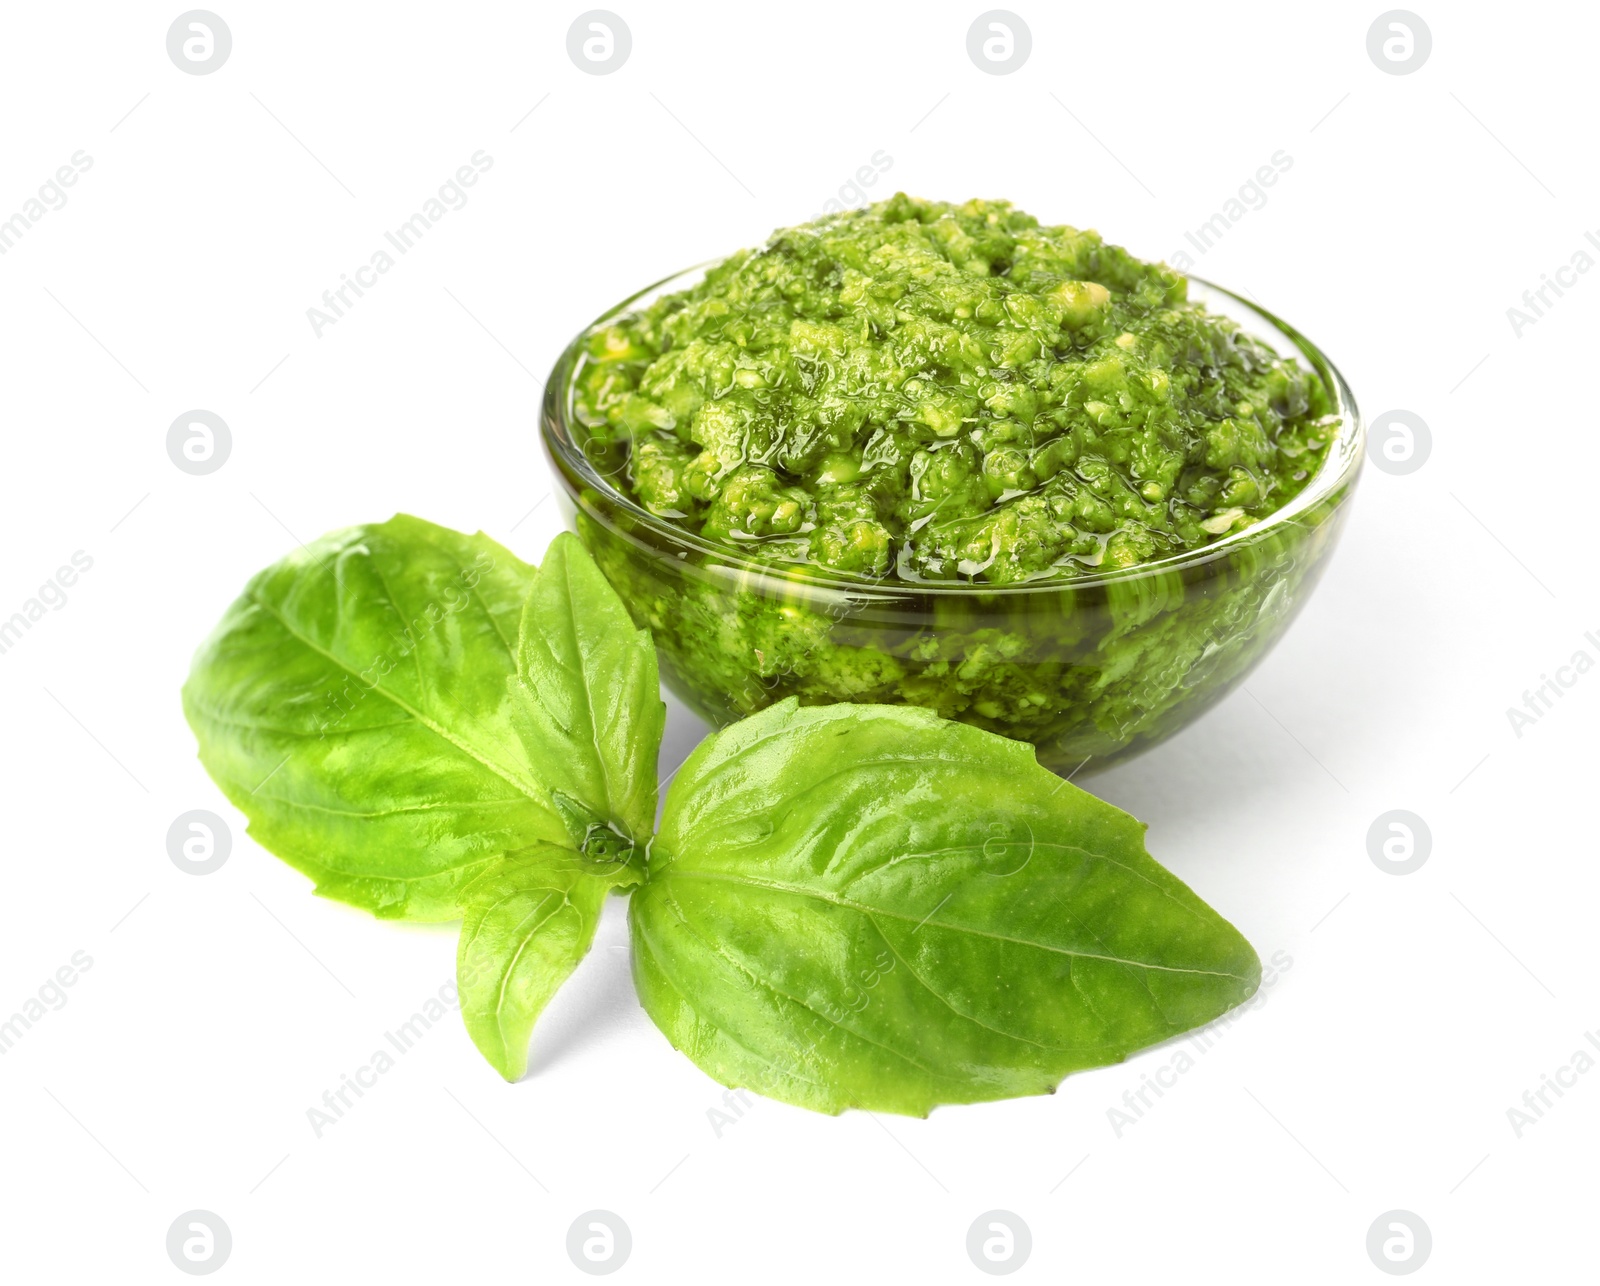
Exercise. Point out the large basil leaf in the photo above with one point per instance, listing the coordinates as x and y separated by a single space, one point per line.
868 906
527 921
591 714
354 704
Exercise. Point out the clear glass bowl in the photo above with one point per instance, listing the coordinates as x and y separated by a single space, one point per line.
1089 670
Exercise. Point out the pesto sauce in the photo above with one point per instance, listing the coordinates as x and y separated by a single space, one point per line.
936 392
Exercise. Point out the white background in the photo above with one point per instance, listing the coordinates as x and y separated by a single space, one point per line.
1418 1009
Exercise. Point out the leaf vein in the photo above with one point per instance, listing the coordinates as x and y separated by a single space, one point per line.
437 729
675 872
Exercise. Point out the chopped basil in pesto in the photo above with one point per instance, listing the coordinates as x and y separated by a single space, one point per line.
942 392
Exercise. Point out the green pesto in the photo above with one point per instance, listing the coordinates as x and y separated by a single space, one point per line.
933 392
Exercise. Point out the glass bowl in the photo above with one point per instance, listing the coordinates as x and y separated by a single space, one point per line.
1090 670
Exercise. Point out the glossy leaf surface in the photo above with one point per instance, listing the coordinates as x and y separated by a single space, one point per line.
591 714
361 703
868 906
527 921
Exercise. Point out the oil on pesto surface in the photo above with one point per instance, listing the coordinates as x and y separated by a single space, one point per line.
933 392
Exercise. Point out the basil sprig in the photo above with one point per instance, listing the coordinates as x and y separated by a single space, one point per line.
845 906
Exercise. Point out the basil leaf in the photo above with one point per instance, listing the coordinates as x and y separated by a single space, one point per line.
590 712
527 921
353 703
868 906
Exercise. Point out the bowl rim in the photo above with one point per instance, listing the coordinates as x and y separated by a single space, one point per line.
1333 482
